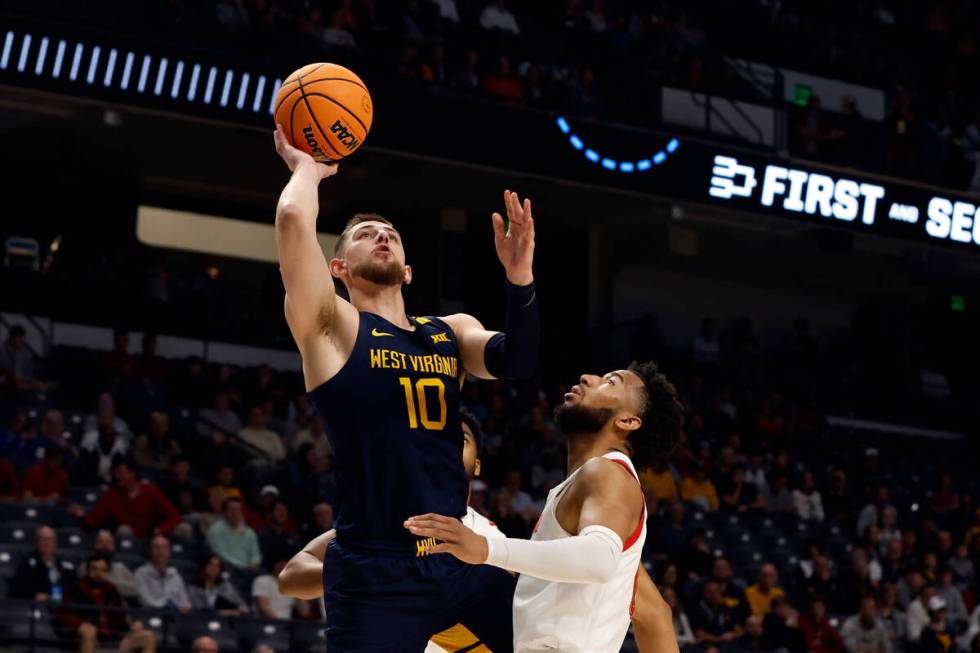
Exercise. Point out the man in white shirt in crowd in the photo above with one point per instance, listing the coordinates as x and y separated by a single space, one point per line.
159 585
498 16
260 437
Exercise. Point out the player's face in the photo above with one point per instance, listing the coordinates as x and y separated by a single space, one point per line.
470 462
374 252
595 400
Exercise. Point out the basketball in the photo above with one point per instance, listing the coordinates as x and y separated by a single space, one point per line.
326 111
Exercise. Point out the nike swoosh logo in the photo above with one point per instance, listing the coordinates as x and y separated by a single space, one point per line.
375 332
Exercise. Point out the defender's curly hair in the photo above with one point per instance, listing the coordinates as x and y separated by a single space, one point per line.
662 416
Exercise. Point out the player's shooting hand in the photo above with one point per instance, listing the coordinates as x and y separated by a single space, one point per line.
515 246
294 157
453 536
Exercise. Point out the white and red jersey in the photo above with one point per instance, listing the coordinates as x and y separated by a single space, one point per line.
577 617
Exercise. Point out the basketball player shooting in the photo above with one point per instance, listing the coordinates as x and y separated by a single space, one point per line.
579 571
388 386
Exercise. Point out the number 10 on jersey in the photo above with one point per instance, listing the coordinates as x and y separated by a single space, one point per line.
419 412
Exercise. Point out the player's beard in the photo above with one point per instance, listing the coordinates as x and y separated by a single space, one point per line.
387 273
576 418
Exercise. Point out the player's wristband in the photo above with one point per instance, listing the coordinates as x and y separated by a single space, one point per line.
513 354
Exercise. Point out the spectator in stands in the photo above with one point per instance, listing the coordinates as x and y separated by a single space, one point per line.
888 529
502 83
159 585
220 415
780 629
781 500
936 636
760 595
119 574
869 514
321 523
658 482
105 621
970 640
98 449
205 645
950 593
137 508
54 433
517 499
917 616
21 444
17 360
211 592
752 637
156 449
682 628
224 489
732 588
497 16
893 618
864 632
184 490
232 540
672 535
909 585
809 505
119 361
42 576
105 415
838 501
819 633
279 539
269 603
706 347
739 495
700 489
316 434
853 584
46 481
964 572
467 77
713 621
945 499
258 436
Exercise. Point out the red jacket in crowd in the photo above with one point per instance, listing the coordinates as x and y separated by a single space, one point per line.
144 510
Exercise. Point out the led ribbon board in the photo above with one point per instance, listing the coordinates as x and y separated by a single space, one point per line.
129 74
641 165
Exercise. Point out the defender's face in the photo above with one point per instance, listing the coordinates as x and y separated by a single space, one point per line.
374 251
619 391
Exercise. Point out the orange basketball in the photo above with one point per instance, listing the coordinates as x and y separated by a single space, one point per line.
326 111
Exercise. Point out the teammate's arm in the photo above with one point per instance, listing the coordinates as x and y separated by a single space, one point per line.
653 623
312 305
302 577
513 353
601 506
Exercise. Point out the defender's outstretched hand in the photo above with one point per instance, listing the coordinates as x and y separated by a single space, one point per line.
515 246
456 538
294 157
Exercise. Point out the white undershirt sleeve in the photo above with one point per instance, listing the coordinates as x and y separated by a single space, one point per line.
589 557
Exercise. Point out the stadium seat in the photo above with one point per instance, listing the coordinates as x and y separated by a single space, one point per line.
162 625
275 633
85 496
309 636
193 625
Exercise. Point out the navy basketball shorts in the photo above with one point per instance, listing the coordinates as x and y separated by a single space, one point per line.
393 601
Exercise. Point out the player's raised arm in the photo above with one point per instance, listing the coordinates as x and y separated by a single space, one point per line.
513 353
311 301
302 577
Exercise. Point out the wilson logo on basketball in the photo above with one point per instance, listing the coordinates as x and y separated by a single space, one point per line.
315 149
344 135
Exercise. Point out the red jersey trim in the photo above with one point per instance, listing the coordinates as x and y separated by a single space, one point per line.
643 518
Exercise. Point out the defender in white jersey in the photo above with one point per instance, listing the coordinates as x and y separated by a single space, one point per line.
580 570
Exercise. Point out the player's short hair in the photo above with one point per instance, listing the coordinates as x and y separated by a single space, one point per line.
661 414
359 218
468 418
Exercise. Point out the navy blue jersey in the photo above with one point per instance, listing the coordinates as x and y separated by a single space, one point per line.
392 415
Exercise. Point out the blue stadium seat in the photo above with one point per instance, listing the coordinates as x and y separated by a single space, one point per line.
160 625
193 625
